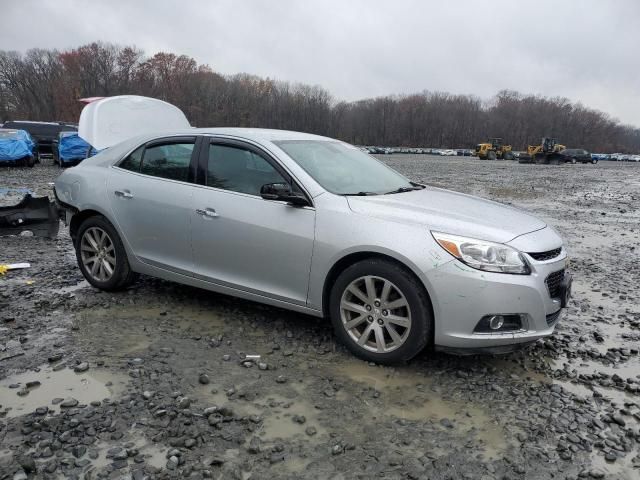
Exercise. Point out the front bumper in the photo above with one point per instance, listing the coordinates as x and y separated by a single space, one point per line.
463 295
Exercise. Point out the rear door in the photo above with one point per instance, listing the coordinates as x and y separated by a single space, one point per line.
151 194
241 240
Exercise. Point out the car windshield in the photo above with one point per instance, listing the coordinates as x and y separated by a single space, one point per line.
344 169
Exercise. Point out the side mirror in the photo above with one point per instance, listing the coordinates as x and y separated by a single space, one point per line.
282 192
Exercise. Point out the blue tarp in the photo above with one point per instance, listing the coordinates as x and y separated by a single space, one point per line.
14 145
71 147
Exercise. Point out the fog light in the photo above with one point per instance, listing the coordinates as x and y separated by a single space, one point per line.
496 322
501 323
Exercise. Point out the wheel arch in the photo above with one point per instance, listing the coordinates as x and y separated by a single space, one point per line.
349 259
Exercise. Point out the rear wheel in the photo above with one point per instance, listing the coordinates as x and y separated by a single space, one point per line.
574 161
594 161
508 155
381 312
101 255
491 155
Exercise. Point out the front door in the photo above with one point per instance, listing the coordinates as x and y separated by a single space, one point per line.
241 240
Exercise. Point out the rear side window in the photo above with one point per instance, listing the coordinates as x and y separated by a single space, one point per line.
168 160
132 162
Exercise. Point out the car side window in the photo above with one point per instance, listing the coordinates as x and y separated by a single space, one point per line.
168 160
132 161
239 170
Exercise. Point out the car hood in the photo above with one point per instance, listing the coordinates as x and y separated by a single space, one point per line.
449 212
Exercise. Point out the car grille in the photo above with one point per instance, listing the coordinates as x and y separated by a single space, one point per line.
543 256
553 282
553 318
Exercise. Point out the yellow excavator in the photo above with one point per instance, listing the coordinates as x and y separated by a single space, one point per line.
494 149
545 153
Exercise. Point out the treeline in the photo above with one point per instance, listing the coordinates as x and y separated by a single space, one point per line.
46 84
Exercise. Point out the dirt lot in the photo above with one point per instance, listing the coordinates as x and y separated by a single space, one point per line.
153 382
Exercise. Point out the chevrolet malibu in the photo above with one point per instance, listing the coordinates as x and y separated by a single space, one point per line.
310 224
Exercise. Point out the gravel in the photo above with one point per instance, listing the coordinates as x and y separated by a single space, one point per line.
168 381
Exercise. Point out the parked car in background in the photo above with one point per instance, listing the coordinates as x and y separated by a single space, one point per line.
311 224
448 153
576 155
44 134
17 148
69 149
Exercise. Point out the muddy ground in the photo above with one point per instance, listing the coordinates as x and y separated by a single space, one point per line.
153 382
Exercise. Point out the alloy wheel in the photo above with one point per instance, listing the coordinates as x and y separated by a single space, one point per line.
98 254
375 314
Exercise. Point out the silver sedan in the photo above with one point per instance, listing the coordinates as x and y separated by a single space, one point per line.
315 225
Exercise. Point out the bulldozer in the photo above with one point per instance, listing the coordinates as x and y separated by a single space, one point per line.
545 153
494 149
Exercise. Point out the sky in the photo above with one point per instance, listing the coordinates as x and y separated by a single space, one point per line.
585 50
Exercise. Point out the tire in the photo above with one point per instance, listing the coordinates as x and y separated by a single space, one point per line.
413 321
508 156
573 161
121 274
491 155
594 161
30 161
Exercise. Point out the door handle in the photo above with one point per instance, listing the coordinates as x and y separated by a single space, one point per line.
123 194
207 212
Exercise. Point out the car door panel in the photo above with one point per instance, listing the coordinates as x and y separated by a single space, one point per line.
253 244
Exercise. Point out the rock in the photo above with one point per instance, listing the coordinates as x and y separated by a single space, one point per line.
203 379
618 419
311 431
184 402
81 367
445 422
254 445
69 403
281 379
27 463
20 475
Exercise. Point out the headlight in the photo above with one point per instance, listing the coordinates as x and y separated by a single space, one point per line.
483 255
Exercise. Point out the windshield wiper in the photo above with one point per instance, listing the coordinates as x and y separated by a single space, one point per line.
405 189
360 194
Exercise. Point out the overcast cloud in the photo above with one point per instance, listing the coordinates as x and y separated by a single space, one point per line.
586 50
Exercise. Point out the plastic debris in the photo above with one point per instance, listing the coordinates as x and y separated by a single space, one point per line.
4 268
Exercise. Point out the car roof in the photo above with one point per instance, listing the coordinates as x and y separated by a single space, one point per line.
256 134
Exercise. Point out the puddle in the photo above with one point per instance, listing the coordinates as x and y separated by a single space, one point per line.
621 469
84 387
407 394
380 377
153 454
278 423
73 288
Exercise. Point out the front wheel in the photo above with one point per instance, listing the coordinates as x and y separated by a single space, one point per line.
381 312
101 255
594 161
